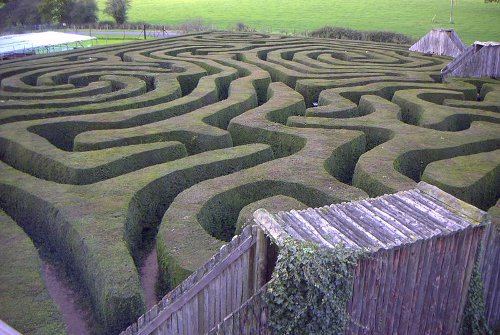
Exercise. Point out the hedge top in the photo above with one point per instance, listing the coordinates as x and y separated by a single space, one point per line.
385 222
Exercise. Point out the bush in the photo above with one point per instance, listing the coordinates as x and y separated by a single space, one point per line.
387 37
194 25
240 26
351 34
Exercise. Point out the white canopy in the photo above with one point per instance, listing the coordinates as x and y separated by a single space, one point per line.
19 43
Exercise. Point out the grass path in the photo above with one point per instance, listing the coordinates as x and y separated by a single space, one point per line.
25 303
474 20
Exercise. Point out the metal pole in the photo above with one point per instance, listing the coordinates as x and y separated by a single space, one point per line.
451 11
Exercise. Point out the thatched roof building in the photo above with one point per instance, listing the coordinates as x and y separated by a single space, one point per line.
441 42
482 59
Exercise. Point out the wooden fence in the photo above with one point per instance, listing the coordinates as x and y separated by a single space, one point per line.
418 289
218 289
5 329
251 318
490 270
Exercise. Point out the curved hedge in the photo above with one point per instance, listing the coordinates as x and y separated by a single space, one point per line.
106 151
26 303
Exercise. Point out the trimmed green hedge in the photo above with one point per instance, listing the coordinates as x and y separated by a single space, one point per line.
26 304
475 178
103 148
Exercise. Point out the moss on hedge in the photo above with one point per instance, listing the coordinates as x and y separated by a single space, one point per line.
193 131
474 178
208 212
402 153
272 204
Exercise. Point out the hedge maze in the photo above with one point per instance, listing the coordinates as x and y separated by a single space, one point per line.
104 149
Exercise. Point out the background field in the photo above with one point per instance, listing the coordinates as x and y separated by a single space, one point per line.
474 20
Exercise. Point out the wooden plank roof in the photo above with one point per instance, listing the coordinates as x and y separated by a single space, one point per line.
482 59
378 223
440 41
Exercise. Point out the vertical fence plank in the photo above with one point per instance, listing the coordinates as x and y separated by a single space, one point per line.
210 304
217 299
260 259
239 284
173 325
229 298
223 295
410 285
201 312
206 308
194 316
245 268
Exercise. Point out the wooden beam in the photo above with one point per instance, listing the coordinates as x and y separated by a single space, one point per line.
5 329
198 287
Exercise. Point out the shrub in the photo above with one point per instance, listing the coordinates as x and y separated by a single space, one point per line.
194 25
351 34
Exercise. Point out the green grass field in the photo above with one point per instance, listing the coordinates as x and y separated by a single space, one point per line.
474 20
103 39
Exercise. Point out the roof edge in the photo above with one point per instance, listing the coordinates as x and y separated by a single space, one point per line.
271 227
456 205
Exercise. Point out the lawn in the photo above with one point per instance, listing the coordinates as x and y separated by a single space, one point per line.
474 20
107 39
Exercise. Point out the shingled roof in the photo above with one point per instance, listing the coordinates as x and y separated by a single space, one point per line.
379 223
440 41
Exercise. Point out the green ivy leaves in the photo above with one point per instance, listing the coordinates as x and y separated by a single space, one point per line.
311 287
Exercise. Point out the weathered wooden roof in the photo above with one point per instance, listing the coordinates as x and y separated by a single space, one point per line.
487 44
378 223
440 41
482 59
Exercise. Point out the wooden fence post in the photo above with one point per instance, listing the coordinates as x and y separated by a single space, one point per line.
261 260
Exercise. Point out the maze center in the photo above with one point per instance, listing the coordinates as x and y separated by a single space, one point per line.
175 142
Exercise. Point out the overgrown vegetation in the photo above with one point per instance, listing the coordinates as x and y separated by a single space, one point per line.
311 288
474 321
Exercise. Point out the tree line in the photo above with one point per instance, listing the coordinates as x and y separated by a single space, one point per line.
32 12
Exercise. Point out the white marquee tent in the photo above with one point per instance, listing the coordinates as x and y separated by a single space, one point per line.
41 42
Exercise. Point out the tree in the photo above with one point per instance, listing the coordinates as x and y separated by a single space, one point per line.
117 9
56 10
69 11
20 12
84 11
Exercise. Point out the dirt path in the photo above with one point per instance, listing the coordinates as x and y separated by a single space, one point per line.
149 276
76 317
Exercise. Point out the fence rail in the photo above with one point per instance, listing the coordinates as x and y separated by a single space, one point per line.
209 295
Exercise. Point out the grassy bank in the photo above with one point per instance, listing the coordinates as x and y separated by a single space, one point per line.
103 39
474 20
25 302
